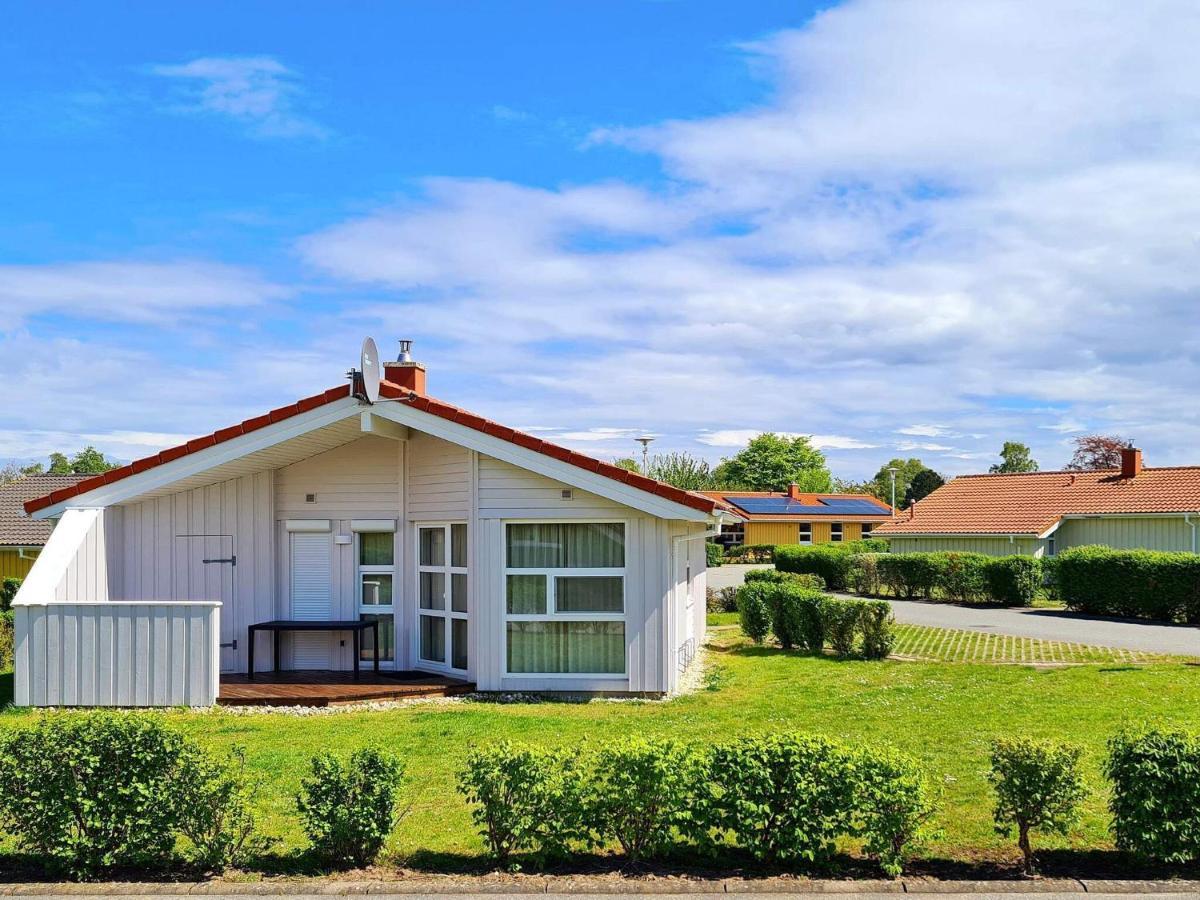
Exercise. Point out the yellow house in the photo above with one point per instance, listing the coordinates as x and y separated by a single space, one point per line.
798 517
22 537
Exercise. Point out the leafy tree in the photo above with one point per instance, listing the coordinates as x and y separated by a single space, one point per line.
848 486
59 464
1015 457
1038 786
629 464
922 485
770 462
682 470
90 461
906 470
1097 451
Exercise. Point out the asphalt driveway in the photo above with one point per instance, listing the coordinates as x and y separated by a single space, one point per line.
1047 624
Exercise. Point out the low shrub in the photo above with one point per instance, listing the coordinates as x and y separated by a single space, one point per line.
350 808
714 554
8 592
642 791
807 581
909 575
864 574
895 806
877 625
1038 787
1155 800
754 611
842 621
1138 583
830 561
94 791
216 802
721 601
1013 580
961 577
750 553
867 545
783 798
526 800
6 640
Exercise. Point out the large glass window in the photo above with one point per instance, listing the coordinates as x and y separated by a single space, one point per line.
442 572
376 579
565 598
835 531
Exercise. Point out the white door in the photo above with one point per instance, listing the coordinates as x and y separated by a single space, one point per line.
443 616
312 596
203 570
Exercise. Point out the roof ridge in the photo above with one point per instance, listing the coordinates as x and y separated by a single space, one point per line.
1070 472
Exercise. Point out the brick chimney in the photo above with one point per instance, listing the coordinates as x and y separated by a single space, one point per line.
793 491
1131 462
404 371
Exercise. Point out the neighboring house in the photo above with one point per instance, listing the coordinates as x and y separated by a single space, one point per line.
22 537
796 517
1043 513
486 554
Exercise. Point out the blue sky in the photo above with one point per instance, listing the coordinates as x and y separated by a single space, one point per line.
906 229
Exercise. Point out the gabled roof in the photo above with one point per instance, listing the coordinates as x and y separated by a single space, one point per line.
18 529
392 392
780 506
1033 503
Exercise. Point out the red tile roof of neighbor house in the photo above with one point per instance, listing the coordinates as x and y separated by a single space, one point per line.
392 392
1032 503
727 500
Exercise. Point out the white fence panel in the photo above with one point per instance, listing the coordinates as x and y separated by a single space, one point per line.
117 654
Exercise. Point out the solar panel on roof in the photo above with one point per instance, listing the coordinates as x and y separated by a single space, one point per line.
783 506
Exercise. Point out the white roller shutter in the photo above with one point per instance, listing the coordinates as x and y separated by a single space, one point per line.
311 596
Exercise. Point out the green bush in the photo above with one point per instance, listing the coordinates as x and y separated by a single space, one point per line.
94 791
721 601
774 576
1013 580
642 791
909 575
867 545
864 574
1138 583
526 800
1155 800
878 629
349 809
961 576
714 554
1038 786
216 803
830 561
8 592
784 798
754 612
895 806
6 640
842 623
750 553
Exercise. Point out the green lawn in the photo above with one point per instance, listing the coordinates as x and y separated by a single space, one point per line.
943 714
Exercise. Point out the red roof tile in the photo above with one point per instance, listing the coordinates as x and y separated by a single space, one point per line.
1030 503
425 404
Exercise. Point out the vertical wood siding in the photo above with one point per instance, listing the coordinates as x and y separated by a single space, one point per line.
992 546
771 532
117 654
1127 533
12 565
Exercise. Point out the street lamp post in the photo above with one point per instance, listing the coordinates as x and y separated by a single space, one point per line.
645 442
892 471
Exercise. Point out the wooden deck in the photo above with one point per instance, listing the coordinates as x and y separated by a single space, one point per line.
326 688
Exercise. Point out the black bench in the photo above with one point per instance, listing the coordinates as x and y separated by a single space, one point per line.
278 626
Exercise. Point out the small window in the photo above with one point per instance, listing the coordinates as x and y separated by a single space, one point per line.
1050 549
835 531
805 533
866 528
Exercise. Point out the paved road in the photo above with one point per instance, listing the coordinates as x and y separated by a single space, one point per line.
1048 624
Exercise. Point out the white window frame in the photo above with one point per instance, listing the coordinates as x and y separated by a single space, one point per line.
836 537
448 571
551 614
359 528
800 529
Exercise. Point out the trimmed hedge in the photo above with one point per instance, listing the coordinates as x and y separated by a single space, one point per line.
714 554
800 617
774 576
8 592
909 575
956 577
1013 580
1155 802
830 562
1147 584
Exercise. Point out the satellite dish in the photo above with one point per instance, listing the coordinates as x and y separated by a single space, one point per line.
369 367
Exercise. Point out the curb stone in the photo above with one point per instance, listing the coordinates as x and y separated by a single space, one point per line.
804 886
1122 886
1027 886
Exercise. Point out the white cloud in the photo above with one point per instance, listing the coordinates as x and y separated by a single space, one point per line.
1065 427
840 442
736 437
257 91
924 430
131 291
908 446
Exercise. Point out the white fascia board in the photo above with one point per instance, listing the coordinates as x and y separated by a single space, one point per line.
506 451
208 458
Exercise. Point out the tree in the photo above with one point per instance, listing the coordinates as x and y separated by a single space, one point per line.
690 473
1016 457
1097 451
59 464
906 470
629 464
771 462
922 485
90 461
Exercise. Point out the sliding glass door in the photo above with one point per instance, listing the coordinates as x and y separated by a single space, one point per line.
442 606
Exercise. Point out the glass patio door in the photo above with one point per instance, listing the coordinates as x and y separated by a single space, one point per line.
442 610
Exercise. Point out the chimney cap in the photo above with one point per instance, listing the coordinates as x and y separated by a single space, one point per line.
405 351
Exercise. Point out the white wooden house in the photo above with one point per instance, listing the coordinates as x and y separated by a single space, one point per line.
485 554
